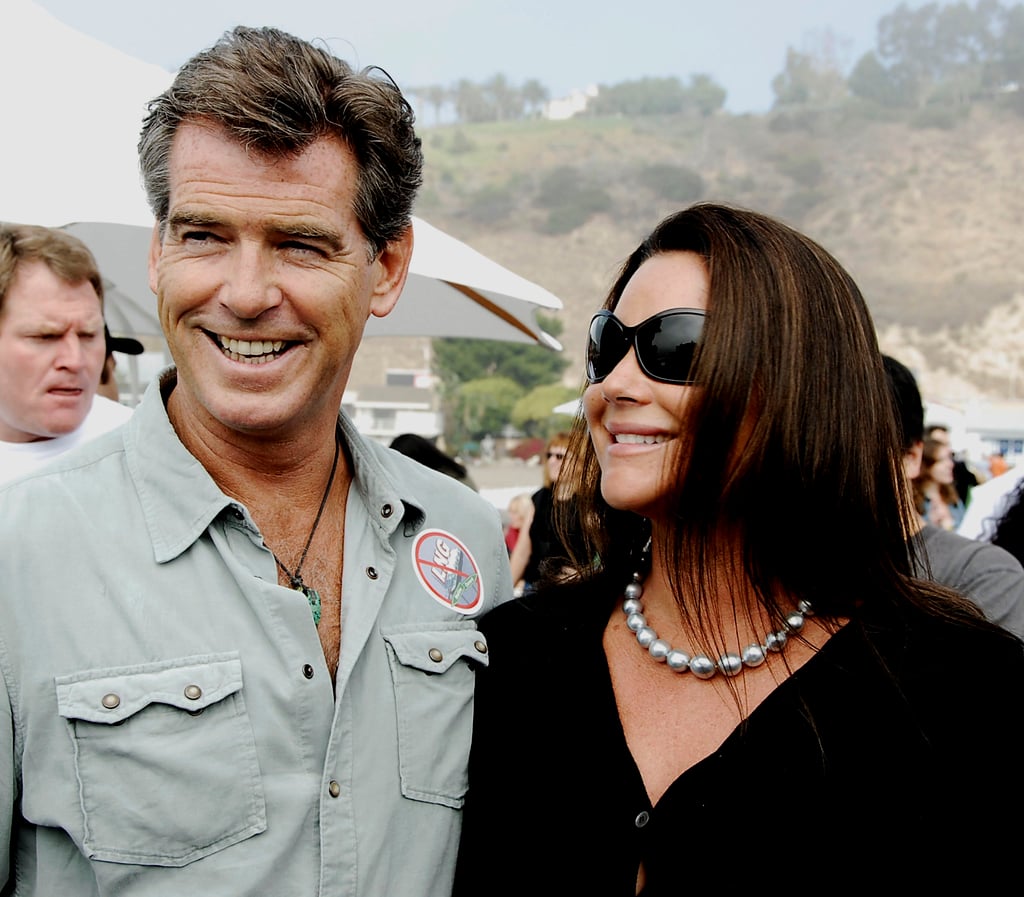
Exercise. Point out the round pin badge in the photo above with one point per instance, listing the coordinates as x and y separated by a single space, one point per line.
448 571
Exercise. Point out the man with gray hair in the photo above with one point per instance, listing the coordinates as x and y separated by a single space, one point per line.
252 673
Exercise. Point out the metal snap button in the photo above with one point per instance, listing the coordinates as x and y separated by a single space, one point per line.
334 789
111 701
193 692
387 511
480 646
307 670
371 572
435 655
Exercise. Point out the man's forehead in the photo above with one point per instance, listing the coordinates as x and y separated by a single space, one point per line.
37 289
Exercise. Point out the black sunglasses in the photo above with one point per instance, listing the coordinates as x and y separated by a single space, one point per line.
664 344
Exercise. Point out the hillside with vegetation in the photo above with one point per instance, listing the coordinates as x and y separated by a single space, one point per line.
909 170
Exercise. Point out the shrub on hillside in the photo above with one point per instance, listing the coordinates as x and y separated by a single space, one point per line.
490 204
676 183
569 199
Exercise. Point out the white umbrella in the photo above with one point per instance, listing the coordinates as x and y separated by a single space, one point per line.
70 156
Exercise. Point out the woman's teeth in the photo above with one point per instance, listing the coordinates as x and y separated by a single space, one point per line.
636 439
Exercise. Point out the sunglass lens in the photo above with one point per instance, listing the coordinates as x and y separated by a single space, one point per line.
666 346
606 347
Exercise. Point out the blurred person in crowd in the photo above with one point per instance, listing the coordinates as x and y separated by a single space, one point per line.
988 575
1009 527
935 494
423 450
965 475
749 670
125 345
51 348
997 464
542 549
520 515
990 501
183 710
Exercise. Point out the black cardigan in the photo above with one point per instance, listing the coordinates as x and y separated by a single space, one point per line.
893 754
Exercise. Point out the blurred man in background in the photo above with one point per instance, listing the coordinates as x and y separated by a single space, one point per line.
125 345
52 348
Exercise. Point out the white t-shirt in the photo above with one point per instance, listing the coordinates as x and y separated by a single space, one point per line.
17 458
989 500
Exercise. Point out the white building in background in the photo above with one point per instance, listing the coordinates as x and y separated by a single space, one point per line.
566 107
407 403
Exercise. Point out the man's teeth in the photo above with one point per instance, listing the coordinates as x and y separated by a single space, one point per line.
636 439
251 351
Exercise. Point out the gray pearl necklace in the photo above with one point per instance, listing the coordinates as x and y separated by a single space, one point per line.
702 666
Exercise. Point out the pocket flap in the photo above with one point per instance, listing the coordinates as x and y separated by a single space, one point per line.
435 650
112 695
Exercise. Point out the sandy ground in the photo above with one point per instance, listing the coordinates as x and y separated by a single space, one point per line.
498 481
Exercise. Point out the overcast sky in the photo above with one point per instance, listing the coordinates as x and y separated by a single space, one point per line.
564 44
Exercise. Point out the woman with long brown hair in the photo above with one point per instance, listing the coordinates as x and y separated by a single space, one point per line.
935 493
748 688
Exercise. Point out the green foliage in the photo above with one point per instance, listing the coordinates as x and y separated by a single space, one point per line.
648 96
461 360
676 183
479 407
533 413
945 53
892 87
483 379
808 79
705 95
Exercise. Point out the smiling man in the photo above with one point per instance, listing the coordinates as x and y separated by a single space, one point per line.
255 671
51 348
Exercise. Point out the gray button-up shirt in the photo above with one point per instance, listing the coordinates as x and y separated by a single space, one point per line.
167 721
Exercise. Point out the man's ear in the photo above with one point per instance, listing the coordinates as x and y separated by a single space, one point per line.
155 248
912 460
391 269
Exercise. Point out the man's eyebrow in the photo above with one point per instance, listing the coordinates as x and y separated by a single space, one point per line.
191 219
310 232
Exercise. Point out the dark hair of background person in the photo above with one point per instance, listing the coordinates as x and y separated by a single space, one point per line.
421 449
65 255
794 415
908 403
276 94
1009 527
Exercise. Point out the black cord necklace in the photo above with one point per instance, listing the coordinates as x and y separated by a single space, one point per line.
295 579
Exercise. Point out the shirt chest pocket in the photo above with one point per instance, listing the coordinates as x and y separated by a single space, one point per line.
433 678
165 758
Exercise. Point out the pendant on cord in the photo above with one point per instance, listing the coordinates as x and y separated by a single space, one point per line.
295 579
312 596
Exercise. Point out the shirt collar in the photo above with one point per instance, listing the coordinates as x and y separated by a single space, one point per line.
180 499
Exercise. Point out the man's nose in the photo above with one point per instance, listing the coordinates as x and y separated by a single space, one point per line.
250 284
73 352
